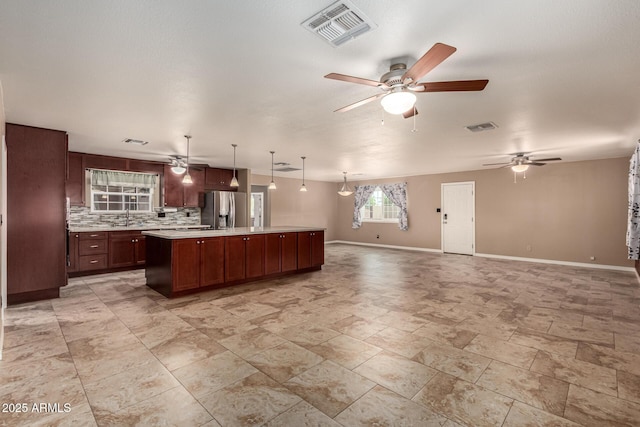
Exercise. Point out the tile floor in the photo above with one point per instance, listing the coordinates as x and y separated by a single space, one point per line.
378 337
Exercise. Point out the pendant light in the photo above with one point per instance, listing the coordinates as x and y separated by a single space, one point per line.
272 184
234 180
345 190
187 178
303 188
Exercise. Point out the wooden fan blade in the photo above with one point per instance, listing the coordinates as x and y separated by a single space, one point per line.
550 159
438 53
410 113
453 86
359 103
497 164
351 79
535 164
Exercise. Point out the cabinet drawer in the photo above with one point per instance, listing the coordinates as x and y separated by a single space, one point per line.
92 247
92 262
93 235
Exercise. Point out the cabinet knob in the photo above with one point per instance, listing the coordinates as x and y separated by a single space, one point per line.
93 261
133 241
77 236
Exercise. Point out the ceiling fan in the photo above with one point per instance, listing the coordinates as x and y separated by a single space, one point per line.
178 165
521 162
399 85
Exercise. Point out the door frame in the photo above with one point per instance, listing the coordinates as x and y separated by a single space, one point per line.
473 213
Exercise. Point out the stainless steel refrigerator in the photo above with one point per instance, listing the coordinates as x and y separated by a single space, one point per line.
224 209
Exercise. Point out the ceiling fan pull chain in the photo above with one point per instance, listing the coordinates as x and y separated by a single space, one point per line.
515 177
415 113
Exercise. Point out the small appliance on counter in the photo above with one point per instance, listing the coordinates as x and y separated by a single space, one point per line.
224 209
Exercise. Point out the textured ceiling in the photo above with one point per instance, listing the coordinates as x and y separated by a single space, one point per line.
564 80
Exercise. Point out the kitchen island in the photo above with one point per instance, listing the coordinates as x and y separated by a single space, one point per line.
180 262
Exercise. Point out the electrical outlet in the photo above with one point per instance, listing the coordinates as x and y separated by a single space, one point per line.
592 258
161 214
377 236
188 214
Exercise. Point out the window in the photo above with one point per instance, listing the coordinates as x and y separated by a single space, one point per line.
115 192
118 198
379 208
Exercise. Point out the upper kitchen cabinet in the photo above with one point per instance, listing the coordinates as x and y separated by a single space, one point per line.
177 194
36 212
144 166
105 162
75 179
218 179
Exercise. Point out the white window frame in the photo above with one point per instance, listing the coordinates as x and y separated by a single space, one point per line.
153 197
395 209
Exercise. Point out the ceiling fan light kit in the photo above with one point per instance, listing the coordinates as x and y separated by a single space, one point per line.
520 163
519 168
398 102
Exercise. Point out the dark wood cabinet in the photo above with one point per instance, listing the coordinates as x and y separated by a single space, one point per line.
94 161
244 257
218 179
310 249
72 266
197 262
75 179
177 194
36 212
126 249
145 166
281 252
92 251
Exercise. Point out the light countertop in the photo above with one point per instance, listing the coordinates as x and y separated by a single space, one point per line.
136 228
195 234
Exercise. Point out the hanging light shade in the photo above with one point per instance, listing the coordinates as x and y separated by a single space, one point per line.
303 187
187 178
398 101
519 167
178 169
345 190
272 184
234 180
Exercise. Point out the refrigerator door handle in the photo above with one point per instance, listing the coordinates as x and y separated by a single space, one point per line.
232 210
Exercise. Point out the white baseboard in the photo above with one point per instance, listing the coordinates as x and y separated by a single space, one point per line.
553 261
378 245
511 258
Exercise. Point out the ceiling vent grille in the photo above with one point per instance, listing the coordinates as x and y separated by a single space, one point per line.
339 23
286 169
481 127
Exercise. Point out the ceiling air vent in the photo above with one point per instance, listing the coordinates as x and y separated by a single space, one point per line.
339 23
135 141
481 127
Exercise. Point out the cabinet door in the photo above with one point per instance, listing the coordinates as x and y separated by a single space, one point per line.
192 191
122 251
317 248
219 179
94 161
304 249
289 252
234 259
75 179
141 249
73 253
211 261
255 255
186 264
173 188
272 253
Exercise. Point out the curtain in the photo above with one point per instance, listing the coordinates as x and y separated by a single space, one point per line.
361 196
129 179
633 224
397 193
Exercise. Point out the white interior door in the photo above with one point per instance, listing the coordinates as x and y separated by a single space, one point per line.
458 222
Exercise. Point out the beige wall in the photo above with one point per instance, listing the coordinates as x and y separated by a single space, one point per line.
565 211
317 207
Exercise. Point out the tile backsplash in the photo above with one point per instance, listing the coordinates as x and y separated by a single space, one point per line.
81 216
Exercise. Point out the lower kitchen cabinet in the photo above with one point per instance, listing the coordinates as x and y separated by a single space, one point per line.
281 252
310 249
197 262
126 249
244 257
